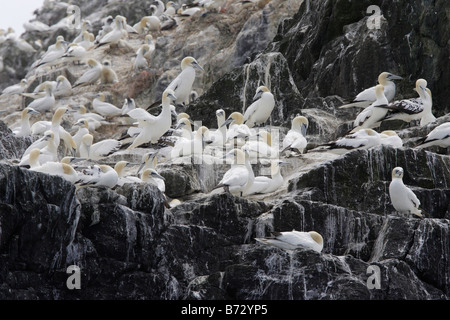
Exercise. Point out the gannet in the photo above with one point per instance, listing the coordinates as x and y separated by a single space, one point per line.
114 36
237 129
74 53
439 136
153 177
151 45
170 9
149 161
63 87
368 96
87 41
140 62
45 103
261 147
24 128
184 129
108 75
36 26
185 11
83 129
54 53
104 108
85 25
106 28
296 136
103 176
264 184
90 76
158 7
119 167
182 84
33 158
63 170
259 111
402 198
16 88
373 114
47 153
291 240
218 137
238 179
391 138
361 139
154 127
98 150
413 109
187 147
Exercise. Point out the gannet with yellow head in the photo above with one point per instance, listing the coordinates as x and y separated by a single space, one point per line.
260 110
402 197
291 240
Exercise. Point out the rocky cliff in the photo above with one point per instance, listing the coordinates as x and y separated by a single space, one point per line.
128 244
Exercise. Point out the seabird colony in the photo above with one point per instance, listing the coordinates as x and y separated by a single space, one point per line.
239 139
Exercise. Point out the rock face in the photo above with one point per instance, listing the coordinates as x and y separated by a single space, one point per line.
128 244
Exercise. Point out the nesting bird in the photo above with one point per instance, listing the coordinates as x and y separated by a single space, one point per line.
373 114
92 75
291 240
296 136
439 136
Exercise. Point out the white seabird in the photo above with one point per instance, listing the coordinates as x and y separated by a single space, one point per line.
260 110
149 161
296 136
119 167
402 197
54 53
373 114
75 52
237 129
140 62
264 184
92 75
391 138
361 139
188 147
413 109
439 136
25 129
368 96
63 170
153 177
239 178
95 120
115 35
103 176
107 74
182 84
261 147
16 88
47 153
45 103
217 138
154 127
290 240
98 150
83 129
104 108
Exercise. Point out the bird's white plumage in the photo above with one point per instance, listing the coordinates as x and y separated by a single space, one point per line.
260 110
182 84
290 240
373 114
439 136
403 198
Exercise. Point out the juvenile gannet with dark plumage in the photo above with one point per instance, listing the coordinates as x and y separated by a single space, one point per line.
182 84
92 75
260 110
413 109
154 127
25 129
368 96
373 114
439 136
402 197
296 136
98 150
291 240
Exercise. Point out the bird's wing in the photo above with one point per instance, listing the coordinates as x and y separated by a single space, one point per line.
409 106
142 115
236 176
250 110
105 147
412 196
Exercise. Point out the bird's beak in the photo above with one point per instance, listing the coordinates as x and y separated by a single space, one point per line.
257 95
172 96
32 111
394 77
157 175
196 65
140 168
303 129
180 125
227 122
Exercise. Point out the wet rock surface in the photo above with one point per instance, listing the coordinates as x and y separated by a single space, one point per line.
129 245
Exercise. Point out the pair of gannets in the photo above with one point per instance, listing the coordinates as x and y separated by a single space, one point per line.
260 110
48 151
116 34
99 176
153 128
264 184
182 84
45 103
62 169
368 96
61 87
